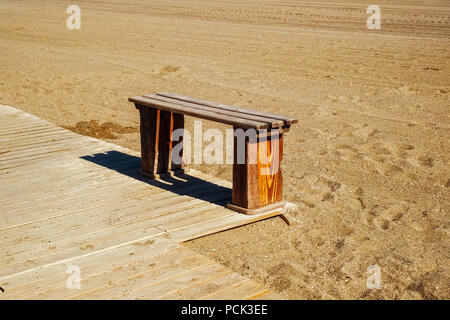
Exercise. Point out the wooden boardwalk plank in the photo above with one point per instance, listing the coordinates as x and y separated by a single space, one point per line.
206 288
193 277
94 270
178 97
244 290
125 213
138 282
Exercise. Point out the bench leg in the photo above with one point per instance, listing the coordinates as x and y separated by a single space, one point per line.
156 143
258 185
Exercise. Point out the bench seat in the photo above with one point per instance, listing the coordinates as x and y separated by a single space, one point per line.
235 116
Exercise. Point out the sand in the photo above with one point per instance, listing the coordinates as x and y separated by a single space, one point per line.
367 164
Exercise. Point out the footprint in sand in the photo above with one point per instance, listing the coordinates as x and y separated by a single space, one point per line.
317 189
367 132
383 217
392 169
282 276
170 70
390 159
402 149
379 149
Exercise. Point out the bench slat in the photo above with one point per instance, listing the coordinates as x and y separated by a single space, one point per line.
273 123
207 115
287 120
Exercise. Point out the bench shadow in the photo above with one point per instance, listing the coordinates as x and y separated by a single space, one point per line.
183 185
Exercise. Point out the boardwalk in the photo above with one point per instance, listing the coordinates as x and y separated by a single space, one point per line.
71 200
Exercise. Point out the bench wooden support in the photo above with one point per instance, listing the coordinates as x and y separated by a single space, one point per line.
156 143
257 183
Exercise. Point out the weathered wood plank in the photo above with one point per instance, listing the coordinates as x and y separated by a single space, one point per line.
99 276
273 123
245 290
50 192
287 120
202 290
92 266
245 175
207 115
212 225
21 151
176 124
164 146
31 127
132 287
27 134
91 242
66 228
269 176
194 276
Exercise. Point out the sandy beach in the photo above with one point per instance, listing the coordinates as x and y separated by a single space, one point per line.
368 164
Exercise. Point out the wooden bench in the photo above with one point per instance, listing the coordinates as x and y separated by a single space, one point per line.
253 192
